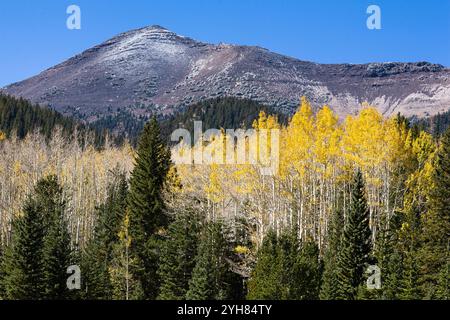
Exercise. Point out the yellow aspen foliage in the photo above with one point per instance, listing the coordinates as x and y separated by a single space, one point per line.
173 180
318 156
241 250
263 139
298 140
420 182
422 147
124 235
363 139
327 140
214 190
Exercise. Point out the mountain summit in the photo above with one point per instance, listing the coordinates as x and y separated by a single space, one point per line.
155 68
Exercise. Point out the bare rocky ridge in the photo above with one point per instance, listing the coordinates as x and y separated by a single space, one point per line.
157 68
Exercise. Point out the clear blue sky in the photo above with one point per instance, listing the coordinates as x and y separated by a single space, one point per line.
34 36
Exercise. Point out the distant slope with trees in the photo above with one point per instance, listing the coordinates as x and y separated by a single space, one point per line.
19 117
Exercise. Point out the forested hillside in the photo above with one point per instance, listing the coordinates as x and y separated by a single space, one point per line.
348 194
18 117
214 113
218 113
435 125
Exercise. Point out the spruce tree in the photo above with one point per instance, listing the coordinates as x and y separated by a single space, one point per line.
433 254
22 264
307 273
210 276
409 276
356 243
36 261
265 280
56 251
147 215
389 259
178 256
96 259
330 286
397 256
288 269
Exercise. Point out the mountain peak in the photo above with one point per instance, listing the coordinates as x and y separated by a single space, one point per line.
155 33
159 69
157 27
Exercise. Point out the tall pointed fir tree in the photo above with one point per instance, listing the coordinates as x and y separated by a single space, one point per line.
433 255
211 275
330 286
148 219
22 264
354 254
306 273
36 261
97 258
389 258
178 256
286 269
265 280
56 251
398 264
297 267
288 250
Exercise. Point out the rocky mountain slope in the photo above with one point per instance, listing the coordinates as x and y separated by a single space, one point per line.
155 69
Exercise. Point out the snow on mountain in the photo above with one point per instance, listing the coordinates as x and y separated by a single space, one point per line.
155 68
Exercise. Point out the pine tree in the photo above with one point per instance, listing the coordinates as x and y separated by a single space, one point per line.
147 217
36 261
299 268
98 254
265 280
393 263
408 283
389 259
210 276
330 286
356 243
178 256
392 273
22 263
286 269
307 274
56 251
397 257
433 254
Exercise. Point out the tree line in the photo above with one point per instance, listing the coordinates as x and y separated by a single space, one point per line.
19 117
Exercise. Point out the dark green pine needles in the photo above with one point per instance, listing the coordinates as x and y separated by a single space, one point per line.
35 263
356 245
148 219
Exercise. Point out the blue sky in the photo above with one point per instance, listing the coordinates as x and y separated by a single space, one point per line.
34 36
